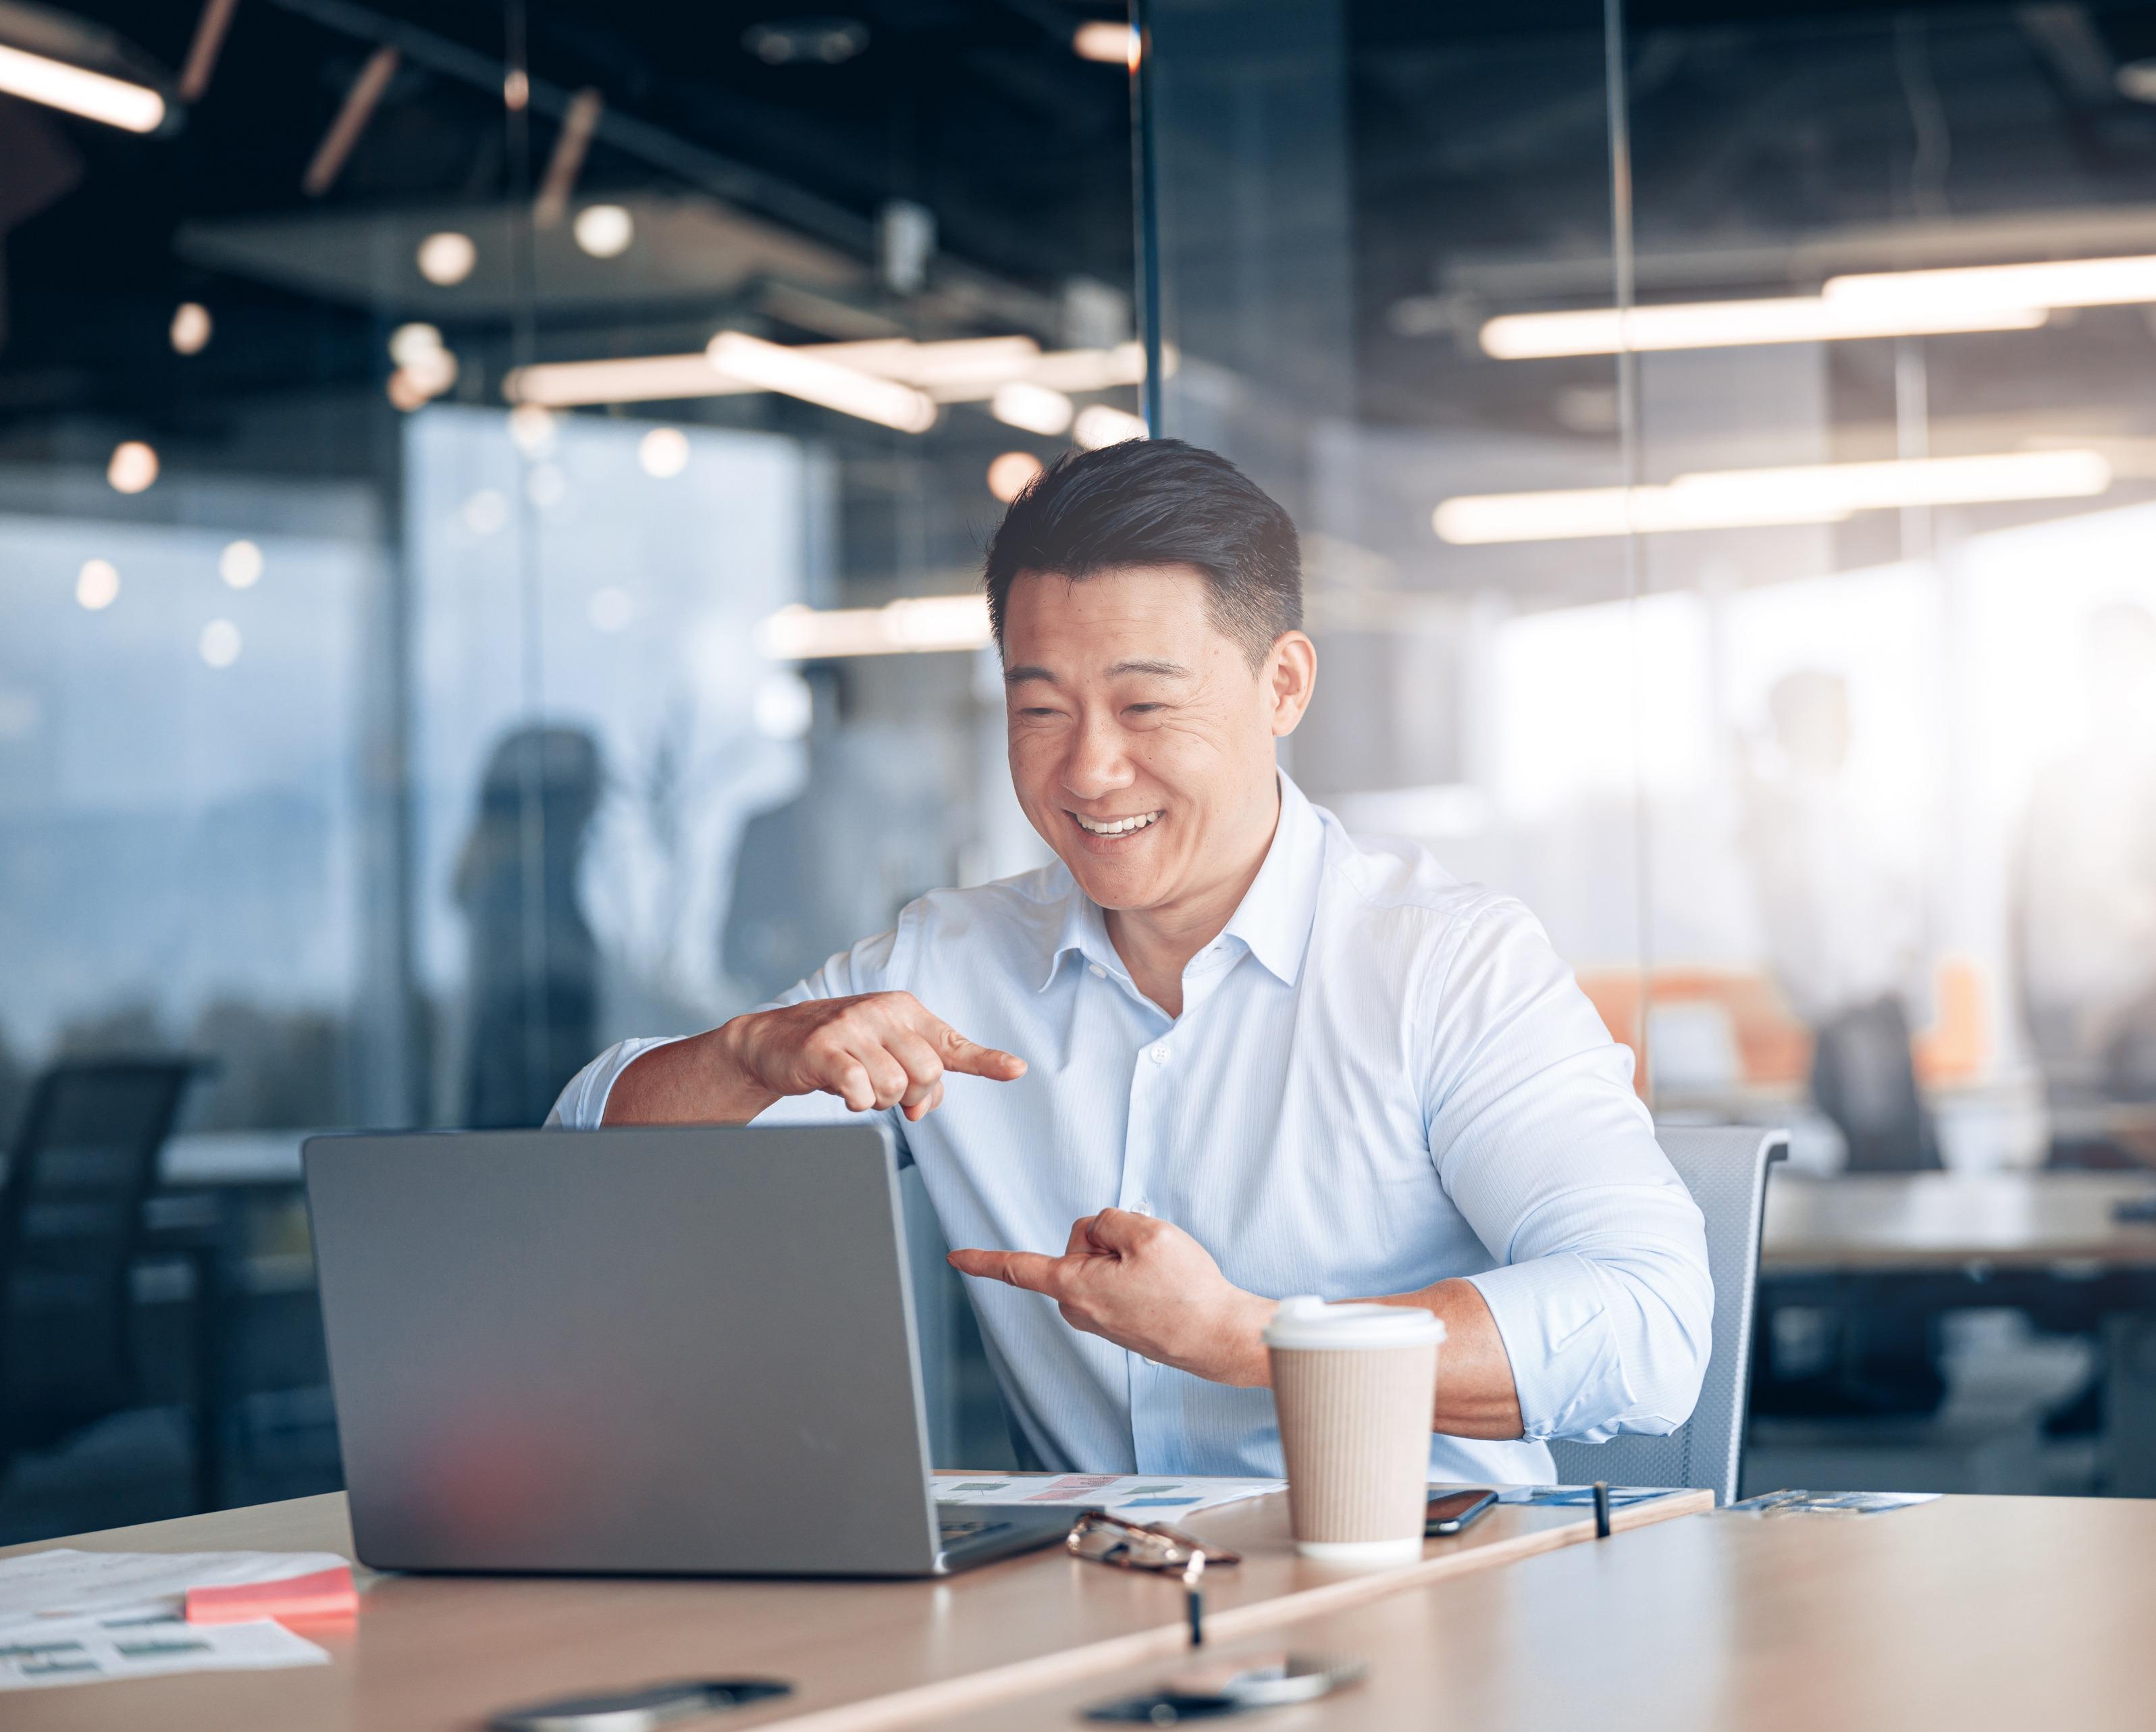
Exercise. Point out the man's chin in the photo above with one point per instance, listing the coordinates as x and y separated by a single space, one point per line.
1123 888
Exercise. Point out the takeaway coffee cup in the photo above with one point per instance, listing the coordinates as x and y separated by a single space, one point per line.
1353 1385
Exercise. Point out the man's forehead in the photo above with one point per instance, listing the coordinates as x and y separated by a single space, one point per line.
1131 620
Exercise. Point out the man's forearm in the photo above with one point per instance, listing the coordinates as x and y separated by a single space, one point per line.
693 1081
1476 1396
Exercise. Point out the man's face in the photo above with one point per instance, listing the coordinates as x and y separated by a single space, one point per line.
1141 737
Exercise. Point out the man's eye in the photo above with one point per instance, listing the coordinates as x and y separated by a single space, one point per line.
1037 715
1142 709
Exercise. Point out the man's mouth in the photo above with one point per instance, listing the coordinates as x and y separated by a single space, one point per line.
1115 826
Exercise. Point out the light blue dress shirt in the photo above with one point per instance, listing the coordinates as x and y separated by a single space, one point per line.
1381 1077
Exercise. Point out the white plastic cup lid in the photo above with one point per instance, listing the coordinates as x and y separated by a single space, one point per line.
1310 1322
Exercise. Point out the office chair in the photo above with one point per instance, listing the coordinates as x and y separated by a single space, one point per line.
71 1230
1725 1169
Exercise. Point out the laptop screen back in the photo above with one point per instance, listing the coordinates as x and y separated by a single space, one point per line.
633 1350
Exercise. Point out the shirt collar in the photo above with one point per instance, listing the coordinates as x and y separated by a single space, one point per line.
1274 919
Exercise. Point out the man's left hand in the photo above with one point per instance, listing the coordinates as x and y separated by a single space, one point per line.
1147 1286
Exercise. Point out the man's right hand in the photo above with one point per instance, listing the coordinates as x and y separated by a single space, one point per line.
876 1051
873 1051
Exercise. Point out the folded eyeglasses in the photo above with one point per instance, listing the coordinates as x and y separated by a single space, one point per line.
1105 1538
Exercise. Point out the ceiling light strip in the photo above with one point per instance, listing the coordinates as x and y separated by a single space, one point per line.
94 95
1733 324
1735 499
915 625
797 373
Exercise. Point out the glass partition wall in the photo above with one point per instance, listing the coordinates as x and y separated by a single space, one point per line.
491 496
1719 439
490 501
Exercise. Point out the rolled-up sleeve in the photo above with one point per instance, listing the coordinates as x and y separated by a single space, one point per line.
1602 1295
866 968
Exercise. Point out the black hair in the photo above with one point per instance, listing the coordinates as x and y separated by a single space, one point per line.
1157 502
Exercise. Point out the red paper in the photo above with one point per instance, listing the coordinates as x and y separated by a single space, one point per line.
325 1594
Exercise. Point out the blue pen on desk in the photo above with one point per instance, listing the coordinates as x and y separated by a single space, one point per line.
1193 1597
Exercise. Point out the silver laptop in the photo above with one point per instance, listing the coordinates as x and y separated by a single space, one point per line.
638 1351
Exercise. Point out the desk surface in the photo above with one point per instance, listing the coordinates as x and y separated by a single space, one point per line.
1922 1220
1972 1614
443 1653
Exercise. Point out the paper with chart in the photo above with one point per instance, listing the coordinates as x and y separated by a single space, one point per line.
84 1650
1142 1497
72 1616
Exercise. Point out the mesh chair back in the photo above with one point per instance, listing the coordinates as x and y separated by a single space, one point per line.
1725 1169
70 1231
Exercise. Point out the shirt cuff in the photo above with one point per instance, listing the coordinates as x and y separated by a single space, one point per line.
581 1106
1566 1369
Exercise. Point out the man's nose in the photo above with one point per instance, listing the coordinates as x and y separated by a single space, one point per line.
1097 764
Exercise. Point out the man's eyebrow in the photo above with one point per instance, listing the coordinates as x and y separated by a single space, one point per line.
1029 671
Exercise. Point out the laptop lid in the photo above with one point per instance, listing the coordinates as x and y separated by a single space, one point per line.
632 1350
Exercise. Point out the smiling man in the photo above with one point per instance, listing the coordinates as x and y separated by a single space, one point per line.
1221 1053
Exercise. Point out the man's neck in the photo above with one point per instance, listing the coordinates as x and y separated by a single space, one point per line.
1157 944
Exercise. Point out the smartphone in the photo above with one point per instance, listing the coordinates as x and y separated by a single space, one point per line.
1449 1512
643 1709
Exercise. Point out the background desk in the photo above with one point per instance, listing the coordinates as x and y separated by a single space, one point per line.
1946 1221
1973 1614
430 1652
2046 1242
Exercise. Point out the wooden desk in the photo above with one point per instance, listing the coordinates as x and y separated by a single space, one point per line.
1971 1614
1877 1221
443 1652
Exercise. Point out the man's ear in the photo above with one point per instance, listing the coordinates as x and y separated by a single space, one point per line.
1290 675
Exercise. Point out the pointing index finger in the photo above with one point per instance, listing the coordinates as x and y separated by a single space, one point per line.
1028 1269
975 1060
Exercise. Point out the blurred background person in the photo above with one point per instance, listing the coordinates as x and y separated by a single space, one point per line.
2084 916
1842 925
534 963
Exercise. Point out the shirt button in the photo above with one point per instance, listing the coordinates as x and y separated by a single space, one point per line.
1142 1206
1096 971
1158 1054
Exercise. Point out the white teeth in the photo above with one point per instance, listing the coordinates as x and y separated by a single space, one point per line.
1115 826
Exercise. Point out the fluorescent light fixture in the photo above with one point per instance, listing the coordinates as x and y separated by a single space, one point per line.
1034 408
642 379
571 145
958 370
1099 425
1742 498
94 95
1887 303
915 625
1975 290
1095 369
1108 41
202 53
1734 324
796 372
359 107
